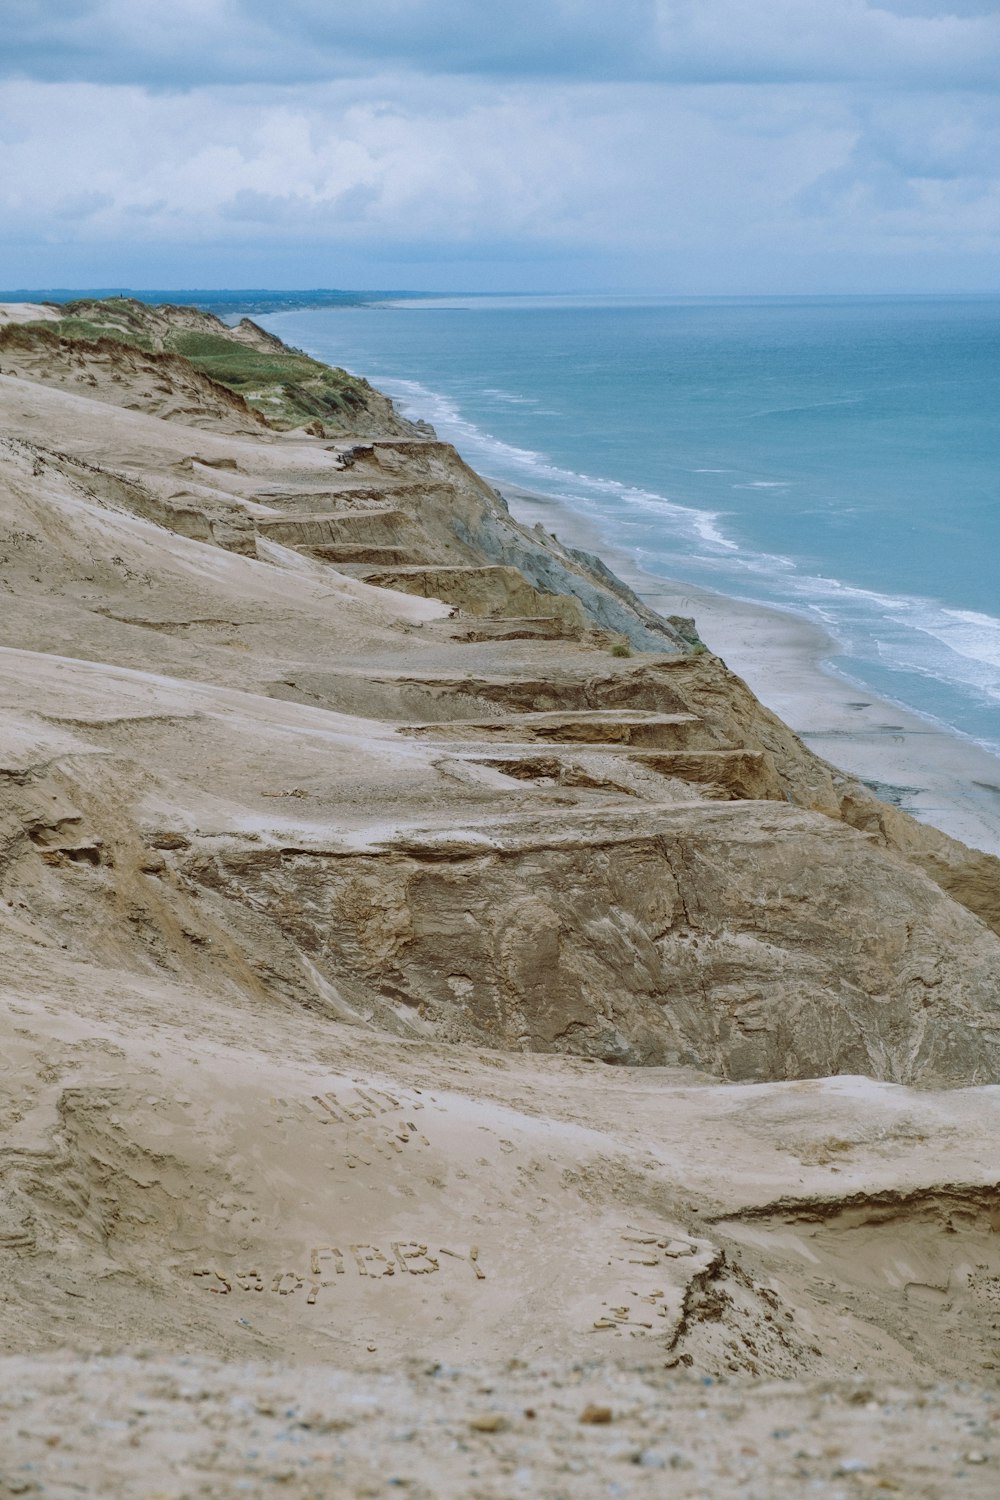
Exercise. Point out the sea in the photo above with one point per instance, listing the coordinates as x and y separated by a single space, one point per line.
837 457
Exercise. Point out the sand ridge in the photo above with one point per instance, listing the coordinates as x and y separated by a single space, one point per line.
28 312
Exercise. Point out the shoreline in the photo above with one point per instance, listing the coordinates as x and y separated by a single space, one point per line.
931 772
917 763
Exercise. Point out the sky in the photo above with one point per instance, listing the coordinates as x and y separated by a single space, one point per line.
671 146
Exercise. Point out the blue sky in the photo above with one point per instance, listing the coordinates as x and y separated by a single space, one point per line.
670 145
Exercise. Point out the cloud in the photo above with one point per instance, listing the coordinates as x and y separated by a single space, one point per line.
830 40
81 205
646 139
621 170
915 176
186 43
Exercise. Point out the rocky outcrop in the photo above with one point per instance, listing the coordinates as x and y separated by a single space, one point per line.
748 945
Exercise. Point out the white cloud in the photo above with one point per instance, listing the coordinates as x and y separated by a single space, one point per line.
624 167
611 165
185 42
829 39
417 165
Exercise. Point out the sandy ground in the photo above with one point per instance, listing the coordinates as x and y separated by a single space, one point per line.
287 1203
936 776
180 1429
27 312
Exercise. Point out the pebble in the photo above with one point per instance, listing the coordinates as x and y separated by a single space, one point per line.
488 1421
595 1416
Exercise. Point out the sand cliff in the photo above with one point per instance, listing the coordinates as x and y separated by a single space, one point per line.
349 832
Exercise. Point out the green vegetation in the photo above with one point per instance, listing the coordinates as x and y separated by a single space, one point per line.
288 387
23 335
225 358
90 332
77 330
284 385
115 317
621 648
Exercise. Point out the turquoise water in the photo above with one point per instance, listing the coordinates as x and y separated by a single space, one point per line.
838 457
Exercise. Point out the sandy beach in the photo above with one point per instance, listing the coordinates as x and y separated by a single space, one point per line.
934 774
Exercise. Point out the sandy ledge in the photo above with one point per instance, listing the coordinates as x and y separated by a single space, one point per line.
933 774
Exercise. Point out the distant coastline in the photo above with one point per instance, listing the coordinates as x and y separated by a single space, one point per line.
237 303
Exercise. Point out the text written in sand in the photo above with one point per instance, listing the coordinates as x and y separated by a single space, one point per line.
328 1262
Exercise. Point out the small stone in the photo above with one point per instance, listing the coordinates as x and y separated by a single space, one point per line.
488 1421
976 1457
596 1416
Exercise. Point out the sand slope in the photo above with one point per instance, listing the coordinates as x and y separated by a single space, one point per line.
399 982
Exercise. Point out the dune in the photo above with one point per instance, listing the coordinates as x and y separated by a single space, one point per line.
455 1037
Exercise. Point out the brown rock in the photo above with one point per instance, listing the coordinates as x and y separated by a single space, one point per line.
596 1416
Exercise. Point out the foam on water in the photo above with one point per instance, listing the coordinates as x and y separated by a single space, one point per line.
531 470
967 643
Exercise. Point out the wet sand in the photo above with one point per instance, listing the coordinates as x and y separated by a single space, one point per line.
932 773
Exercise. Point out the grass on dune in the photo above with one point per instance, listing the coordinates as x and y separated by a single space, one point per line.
286 386
289 388
89 332
236 364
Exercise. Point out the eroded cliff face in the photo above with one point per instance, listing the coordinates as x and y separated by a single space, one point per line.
560 849
348 831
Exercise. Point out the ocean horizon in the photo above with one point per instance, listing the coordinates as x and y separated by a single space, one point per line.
837 457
